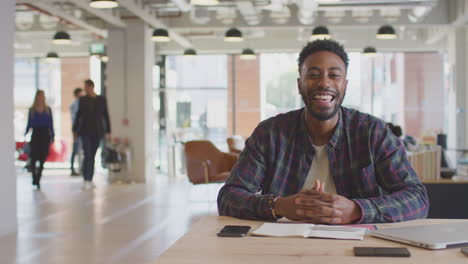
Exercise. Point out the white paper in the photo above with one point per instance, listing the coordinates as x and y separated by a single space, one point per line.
310 230
283 230
337 232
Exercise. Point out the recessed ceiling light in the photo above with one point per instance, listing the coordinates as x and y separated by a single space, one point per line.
233 35
320 32
190 52
160 35
52 57
370 51
103 3
61 37
386 32
248 54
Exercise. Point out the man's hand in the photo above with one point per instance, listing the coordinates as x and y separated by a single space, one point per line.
315 206
349 209
108 137
306 207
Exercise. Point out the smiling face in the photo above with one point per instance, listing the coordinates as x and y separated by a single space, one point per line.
322 84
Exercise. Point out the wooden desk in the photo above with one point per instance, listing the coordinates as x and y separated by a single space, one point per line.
201 245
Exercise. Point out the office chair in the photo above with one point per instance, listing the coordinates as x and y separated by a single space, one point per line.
235 143
206 163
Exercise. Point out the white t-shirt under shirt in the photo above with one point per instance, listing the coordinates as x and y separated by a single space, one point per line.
320 170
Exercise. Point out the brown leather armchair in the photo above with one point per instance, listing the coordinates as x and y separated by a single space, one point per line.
235 143
206 163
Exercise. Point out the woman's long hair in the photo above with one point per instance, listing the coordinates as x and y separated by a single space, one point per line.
40 102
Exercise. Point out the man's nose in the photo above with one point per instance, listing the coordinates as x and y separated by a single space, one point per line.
324 81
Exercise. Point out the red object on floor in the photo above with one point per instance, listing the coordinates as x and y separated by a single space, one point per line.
57 152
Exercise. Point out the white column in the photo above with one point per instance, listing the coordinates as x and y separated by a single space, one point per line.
129 92
457 57
7 176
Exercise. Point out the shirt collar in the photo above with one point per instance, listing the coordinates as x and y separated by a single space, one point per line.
337 134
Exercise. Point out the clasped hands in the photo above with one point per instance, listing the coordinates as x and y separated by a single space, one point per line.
316 206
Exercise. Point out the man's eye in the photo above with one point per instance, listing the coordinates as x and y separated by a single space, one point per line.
314 75
334 76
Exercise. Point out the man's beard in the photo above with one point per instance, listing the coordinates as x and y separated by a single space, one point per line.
322 116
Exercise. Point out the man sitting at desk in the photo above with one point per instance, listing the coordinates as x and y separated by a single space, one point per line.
323 163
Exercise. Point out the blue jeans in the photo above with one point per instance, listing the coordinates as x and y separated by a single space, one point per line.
76 149
90 146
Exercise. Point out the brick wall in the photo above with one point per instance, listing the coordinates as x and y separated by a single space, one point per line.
74 72
247 97
424 96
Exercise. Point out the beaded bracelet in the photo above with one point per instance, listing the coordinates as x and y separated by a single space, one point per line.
272 204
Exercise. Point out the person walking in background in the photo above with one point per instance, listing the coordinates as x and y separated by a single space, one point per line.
91 125
41 122
78 92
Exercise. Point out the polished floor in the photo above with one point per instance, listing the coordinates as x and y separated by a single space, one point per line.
118 223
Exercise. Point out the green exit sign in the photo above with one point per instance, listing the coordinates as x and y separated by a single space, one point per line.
97 49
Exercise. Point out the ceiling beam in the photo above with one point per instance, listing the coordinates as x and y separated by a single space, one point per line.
182 5
109 18
46 7
248 11
137 8
460 10
184 21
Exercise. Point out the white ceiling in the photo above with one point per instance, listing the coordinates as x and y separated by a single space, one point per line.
267 25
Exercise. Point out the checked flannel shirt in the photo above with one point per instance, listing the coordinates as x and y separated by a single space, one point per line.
367 162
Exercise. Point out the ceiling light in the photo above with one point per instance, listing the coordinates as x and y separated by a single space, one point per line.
370 51
320 32
248 54
190 52
233 35
204 2
386 32
52 57
61 37
160 35
103 3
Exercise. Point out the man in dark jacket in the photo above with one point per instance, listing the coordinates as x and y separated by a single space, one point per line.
91 124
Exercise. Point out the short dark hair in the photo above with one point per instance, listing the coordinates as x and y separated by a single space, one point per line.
89 82
77 91
322 45
396 130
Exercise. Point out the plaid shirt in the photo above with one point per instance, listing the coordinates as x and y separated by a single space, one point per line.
367 162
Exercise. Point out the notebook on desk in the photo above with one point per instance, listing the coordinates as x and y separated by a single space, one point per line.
436 236
309 231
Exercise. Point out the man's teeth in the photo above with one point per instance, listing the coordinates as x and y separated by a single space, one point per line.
323 97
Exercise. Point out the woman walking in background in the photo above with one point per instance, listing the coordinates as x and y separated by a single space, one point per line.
42 124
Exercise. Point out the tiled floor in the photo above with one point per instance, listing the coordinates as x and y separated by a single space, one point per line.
115 223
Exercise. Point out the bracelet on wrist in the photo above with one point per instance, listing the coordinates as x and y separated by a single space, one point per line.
273 209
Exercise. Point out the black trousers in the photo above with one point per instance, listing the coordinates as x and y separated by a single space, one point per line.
40 143
90 146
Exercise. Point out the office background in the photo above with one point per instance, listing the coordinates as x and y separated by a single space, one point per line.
159 97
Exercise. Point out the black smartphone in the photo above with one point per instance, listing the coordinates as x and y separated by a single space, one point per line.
234 231
381 252
465 251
